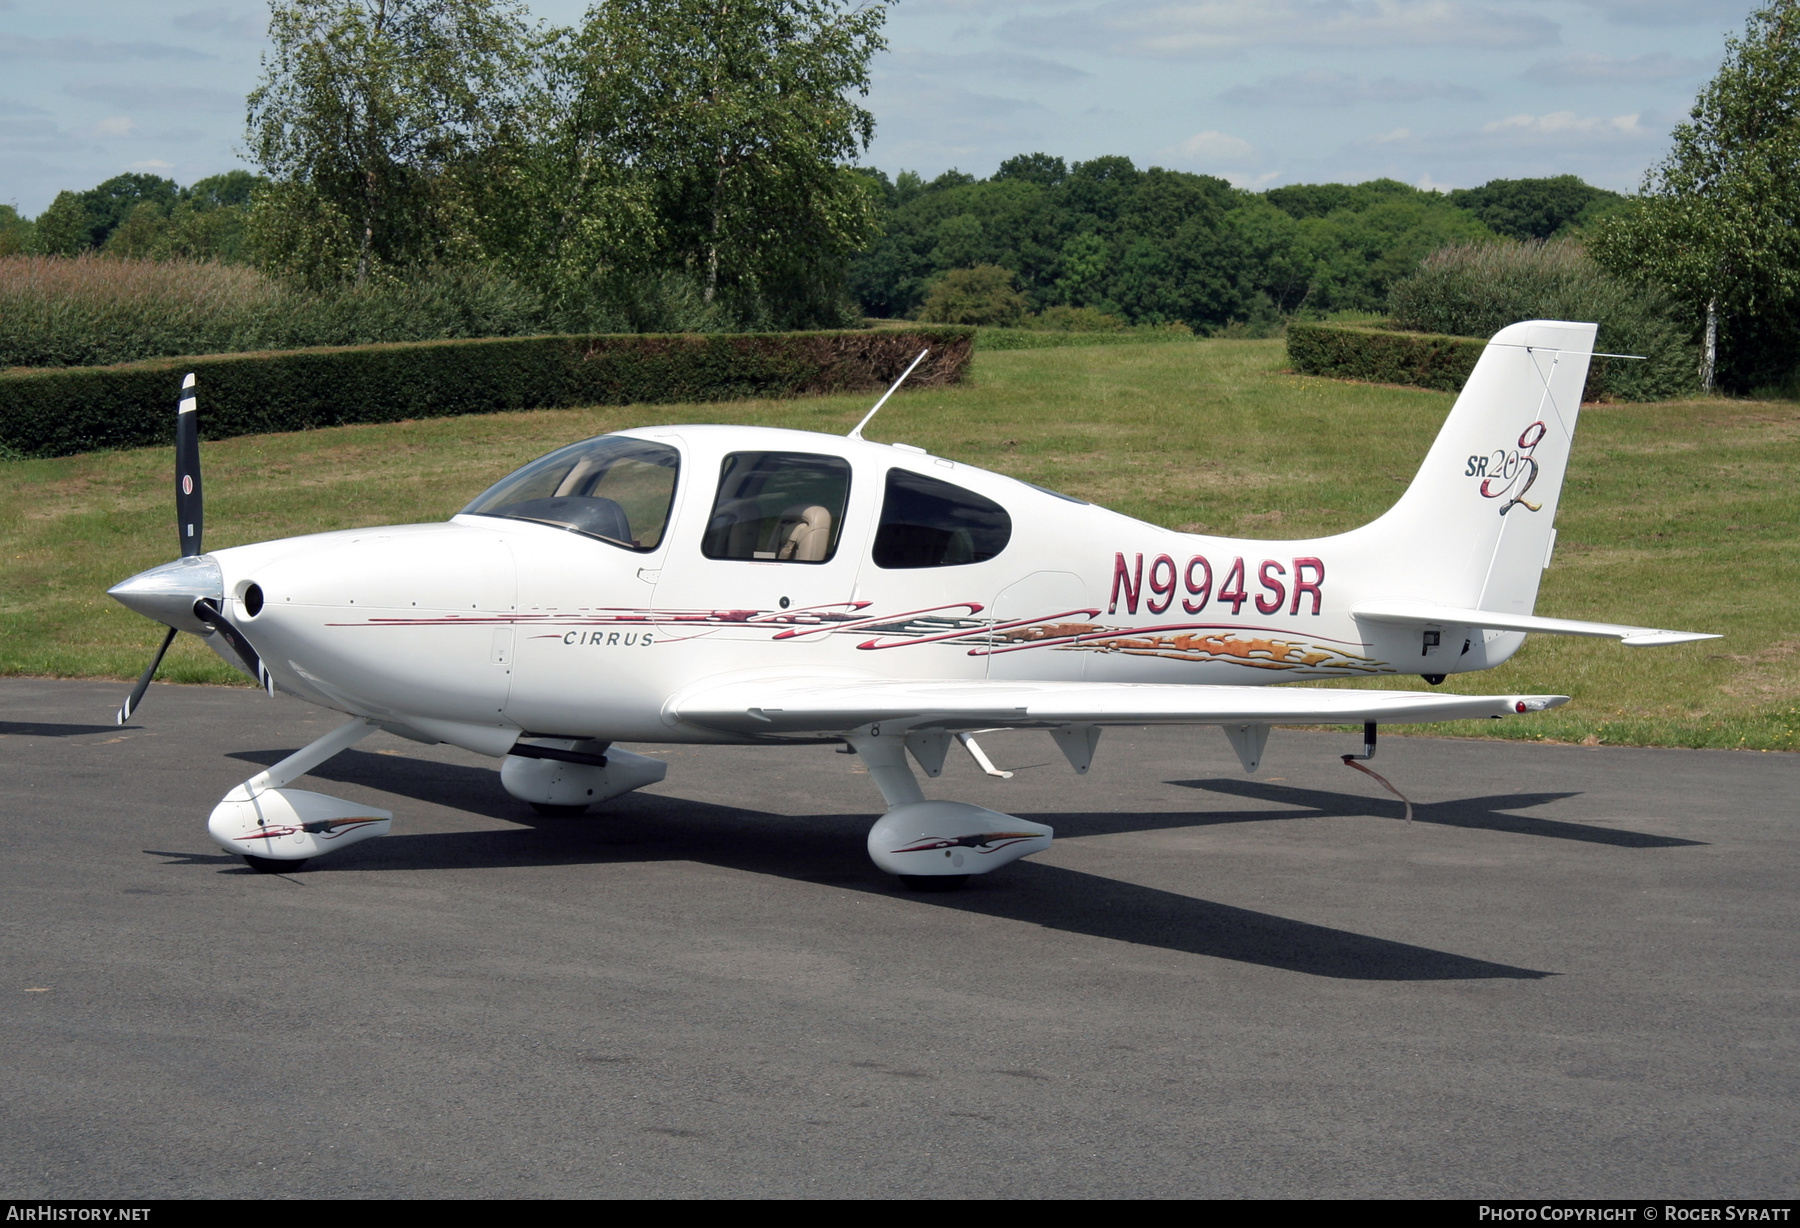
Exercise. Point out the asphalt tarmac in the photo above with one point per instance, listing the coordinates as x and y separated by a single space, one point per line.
1573 975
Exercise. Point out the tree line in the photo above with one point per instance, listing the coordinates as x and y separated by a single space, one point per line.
1155 246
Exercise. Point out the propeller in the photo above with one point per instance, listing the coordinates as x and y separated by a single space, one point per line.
190 528
207 611
190 507
143 683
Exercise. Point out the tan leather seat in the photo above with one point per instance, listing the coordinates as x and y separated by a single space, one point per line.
803 534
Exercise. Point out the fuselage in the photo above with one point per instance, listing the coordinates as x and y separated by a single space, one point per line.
520 624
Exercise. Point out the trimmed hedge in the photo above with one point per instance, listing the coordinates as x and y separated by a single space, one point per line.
80 409
1385 356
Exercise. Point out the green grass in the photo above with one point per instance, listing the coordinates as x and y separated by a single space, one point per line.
1676 514
1048 339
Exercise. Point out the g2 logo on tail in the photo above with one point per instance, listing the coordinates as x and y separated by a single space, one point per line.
1508 474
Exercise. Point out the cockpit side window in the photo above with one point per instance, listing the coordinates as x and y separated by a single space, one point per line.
783 507
613 488
926 522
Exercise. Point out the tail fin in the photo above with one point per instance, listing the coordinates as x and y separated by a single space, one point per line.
1475 528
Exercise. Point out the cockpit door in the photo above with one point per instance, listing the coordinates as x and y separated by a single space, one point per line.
767 543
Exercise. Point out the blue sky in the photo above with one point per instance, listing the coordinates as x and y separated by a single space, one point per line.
1440 93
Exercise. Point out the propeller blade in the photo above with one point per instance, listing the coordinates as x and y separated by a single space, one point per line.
208 613
143 683
190 508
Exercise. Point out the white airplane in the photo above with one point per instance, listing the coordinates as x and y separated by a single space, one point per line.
747 585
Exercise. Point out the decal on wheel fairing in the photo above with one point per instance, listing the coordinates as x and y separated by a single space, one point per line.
986 842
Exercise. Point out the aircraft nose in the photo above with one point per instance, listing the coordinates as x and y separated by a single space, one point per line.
167 594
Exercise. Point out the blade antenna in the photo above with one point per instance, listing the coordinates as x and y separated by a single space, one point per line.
857 433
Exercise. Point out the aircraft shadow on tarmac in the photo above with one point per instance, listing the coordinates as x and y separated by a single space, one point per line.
829 850
1483 812
41 729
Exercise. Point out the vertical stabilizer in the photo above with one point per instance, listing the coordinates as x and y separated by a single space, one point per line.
1475 527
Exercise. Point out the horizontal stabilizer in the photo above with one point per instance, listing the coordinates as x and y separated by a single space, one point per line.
1425 614
797 704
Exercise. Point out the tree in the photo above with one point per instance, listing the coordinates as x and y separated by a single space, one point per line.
1038 168
981 295
62 229
739 116
1718 220
367 112
16 233
1534 208
143 235
109 205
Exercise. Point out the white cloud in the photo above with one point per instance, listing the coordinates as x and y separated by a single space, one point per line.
1587 67
30 134
1198 29
975 66
230 22
1217 153
90 50
156 96
1603 149
153 164
1322 87
1216 146
1560 124
926 122
112 126
1719 13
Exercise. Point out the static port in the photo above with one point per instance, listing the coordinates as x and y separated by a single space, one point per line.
253 600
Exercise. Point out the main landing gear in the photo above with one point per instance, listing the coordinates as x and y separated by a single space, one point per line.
935 846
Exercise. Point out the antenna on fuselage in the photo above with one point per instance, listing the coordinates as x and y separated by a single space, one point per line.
857 433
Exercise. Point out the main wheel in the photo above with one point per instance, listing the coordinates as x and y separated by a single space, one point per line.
933 882
558 812
272 865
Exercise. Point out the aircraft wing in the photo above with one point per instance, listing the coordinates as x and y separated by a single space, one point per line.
803 704
1425 614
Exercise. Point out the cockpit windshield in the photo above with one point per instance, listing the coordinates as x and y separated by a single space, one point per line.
613 488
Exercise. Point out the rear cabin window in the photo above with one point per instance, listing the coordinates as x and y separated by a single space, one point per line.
781 507
930 523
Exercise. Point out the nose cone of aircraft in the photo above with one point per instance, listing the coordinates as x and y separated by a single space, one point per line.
167 594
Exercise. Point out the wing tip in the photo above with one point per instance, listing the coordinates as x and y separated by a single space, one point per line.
1659 639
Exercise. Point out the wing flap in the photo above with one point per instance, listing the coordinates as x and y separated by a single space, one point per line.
812 704
1425 614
